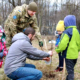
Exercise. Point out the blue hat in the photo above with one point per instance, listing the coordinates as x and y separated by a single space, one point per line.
70 20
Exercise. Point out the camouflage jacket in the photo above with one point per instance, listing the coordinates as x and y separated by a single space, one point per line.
19 19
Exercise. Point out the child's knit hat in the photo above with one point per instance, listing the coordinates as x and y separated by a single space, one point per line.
60 26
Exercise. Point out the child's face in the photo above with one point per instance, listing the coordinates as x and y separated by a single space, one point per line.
59 32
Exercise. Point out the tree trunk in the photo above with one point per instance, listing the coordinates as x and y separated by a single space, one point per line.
12 2
19 2
27 2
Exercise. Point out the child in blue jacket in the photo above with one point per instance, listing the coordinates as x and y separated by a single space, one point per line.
59 30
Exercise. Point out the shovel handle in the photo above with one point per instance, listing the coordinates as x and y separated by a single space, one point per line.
42 49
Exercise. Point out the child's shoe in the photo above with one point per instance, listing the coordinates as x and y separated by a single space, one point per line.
58 69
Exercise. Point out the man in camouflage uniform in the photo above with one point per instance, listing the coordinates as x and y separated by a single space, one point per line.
20 18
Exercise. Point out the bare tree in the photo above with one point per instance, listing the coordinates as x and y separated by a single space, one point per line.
12 2
27 1
19 2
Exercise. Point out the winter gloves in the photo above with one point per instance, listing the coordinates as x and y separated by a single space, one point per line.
41 44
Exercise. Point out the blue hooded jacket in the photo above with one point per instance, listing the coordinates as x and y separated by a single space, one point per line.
70 20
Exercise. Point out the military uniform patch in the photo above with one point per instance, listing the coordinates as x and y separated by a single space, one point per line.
15 17
19 10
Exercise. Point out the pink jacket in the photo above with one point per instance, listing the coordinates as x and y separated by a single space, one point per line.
3 49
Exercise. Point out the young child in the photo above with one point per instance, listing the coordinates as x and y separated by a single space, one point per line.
59 31
3 50
69 43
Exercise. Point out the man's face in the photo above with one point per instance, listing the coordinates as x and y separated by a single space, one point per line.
32 37
31 13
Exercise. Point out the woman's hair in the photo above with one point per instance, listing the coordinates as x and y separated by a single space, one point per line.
29 30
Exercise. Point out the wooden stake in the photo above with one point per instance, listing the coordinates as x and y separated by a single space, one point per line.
63 74
42 49
45 44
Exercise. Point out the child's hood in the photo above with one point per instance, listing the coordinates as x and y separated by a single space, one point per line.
70 20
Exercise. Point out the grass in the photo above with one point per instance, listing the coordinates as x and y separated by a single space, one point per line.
48 70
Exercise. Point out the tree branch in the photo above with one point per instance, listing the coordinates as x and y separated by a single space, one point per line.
10 1
13 3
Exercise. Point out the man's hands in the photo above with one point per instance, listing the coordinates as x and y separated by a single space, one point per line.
46 59
41 44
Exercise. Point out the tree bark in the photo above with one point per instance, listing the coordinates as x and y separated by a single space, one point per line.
19 2
13 3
